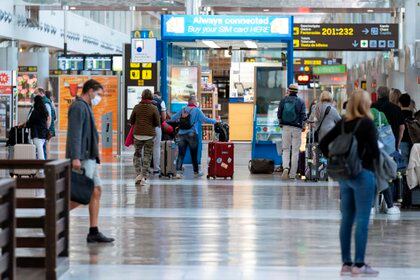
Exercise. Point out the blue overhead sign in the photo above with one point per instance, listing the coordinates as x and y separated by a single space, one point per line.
181 27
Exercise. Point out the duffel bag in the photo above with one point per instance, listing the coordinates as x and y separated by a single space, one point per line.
261 166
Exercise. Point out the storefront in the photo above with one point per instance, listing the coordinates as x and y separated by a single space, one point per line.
238 66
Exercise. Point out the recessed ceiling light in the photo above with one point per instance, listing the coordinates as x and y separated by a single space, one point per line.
266 10
370 11
251 44
72 8
132 8
164 9
211 44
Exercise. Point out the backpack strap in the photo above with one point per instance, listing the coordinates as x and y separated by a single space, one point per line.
327 111
354 129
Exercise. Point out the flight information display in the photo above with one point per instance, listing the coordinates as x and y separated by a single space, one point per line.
352 37
74 63
98 63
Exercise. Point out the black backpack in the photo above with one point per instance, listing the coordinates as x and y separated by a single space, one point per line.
343 159
185 120
222 130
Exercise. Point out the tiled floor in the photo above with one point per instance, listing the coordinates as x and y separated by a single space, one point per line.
255 227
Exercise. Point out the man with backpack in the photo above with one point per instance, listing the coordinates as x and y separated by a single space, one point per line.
190 118
291 115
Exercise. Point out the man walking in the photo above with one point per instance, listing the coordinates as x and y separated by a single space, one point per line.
82 148
160 104
291 115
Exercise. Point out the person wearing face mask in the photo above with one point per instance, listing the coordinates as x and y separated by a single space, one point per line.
82 149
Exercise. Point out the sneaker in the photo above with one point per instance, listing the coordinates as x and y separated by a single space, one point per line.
285 174
156 172
98 238
364 271
138 179
178 176
394 210
145 182
198 174
345 270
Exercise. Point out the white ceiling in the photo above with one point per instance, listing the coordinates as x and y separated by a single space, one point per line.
226 3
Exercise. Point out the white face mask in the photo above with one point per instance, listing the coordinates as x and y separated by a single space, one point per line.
96 100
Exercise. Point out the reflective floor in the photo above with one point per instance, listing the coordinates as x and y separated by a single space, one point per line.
254 227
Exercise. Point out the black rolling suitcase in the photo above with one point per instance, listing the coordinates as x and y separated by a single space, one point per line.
261 166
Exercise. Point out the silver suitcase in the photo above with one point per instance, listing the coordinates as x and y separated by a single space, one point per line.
168 157
23 151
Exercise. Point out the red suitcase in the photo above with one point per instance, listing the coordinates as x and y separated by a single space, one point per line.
221 160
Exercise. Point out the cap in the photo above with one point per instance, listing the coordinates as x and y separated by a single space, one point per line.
293 88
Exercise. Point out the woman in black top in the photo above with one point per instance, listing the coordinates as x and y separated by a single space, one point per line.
357 194
39 123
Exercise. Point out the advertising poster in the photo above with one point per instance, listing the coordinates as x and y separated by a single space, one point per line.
184 82
27 82
71 86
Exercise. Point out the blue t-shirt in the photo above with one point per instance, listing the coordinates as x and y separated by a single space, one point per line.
197 117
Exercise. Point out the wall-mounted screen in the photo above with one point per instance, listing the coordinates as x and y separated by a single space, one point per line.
74 63
117 63
98 63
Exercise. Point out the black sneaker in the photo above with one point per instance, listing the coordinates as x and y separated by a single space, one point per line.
98 238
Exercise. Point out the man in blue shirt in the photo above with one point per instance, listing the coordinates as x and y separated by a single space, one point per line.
188 134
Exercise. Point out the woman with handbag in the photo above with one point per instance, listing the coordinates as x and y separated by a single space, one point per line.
39 123
326 116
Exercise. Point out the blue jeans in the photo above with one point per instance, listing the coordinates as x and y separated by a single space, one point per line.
187 141
405 152
356 201
45 150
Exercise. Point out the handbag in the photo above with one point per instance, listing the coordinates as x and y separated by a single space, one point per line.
81 187
316 134
386 136
130 137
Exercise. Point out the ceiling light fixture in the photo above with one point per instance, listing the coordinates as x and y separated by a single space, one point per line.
132 8
251 44
266 10
211 44
72 8
164 9
370 11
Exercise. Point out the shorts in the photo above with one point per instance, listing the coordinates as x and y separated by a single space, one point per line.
91 171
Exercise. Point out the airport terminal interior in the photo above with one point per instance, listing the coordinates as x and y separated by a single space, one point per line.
99 100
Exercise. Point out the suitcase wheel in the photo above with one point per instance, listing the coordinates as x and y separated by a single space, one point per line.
170 176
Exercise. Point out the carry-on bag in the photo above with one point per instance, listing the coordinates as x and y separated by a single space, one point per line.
22 151
81 187
221 160
261 166
222 131
18 135
168 157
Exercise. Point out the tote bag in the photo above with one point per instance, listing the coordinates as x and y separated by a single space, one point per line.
130 137
386 136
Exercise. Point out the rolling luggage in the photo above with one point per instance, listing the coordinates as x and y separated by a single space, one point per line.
22 151
168 157
261 166
221 160
18 135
